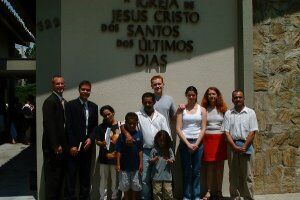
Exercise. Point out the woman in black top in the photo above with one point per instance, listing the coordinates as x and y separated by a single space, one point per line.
107 134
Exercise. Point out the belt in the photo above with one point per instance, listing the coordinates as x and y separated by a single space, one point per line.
192 139
240 140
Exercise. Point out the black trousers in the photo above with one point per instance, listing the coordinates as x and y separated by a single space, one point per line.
79 165
54 172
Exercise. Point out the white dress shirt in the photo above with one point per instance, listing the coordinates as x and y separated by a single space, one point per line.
239 124
86 111
150 126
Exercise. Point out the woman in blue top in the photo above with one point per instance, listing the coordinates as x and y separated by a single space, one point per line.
161 159
190 127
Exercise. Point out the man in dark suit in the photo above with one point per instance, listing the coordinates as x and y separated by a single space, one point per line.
82 118
54 140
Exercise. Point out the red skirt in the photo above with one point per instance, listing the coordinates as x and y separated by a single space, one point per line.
215 147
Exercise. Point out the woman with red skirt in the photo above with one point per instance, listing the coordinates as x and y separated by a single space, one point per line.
215 151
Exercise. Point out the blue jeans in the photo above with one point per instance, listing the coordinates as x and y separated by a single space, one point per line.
146 176
191 164
13 131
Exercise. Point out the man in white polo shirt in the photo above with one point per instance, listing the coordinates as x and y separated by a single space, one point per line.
240 125
163 103
150 122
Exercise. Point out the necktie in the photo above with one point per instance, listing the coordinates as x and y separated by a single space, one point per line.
63 103
86 111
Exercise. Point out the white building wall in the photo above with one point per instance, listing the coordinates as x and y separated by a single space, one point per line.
88 53
78 49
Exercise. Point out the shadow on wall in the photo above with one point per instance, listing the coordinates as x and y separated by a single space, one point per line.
263 10
91 54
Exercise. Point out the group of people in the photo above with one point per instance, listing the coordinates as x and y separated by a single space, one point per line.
137 154
22 120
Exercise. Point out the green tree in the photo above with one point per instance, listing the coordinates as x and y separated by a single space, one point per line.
31 52
17 54
22 92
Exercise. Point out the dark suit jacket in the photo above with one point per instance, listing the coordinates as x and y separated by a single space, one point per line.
53 122
76 124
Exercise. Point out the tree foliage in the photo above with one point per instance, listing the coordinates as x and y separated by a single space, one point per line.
22 92
31 52
17 54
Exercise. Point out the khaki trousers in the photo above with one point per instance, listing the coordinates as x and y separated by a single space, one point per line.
106 171
162 190
241 175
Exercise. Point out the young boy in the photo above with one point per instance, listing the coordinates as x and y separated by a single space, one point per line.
130 159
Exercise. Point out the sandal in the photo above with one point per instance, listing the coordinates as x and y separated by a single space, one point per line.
207 196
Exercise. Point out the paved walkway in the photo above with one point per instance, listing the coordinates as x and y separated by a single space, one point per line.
17 161
18 198
287 196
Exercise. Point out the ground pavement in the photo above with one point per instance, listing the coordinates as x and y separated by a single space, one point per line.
17 161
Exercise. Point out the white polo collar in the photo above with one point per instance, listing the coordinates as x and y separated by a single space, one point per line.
155 114
244 110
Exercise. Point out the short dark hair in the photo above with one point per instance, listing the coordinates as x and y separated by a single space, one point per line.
55 76
191 89
84 82
165 135
237 90
106 107
131 115
148 94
